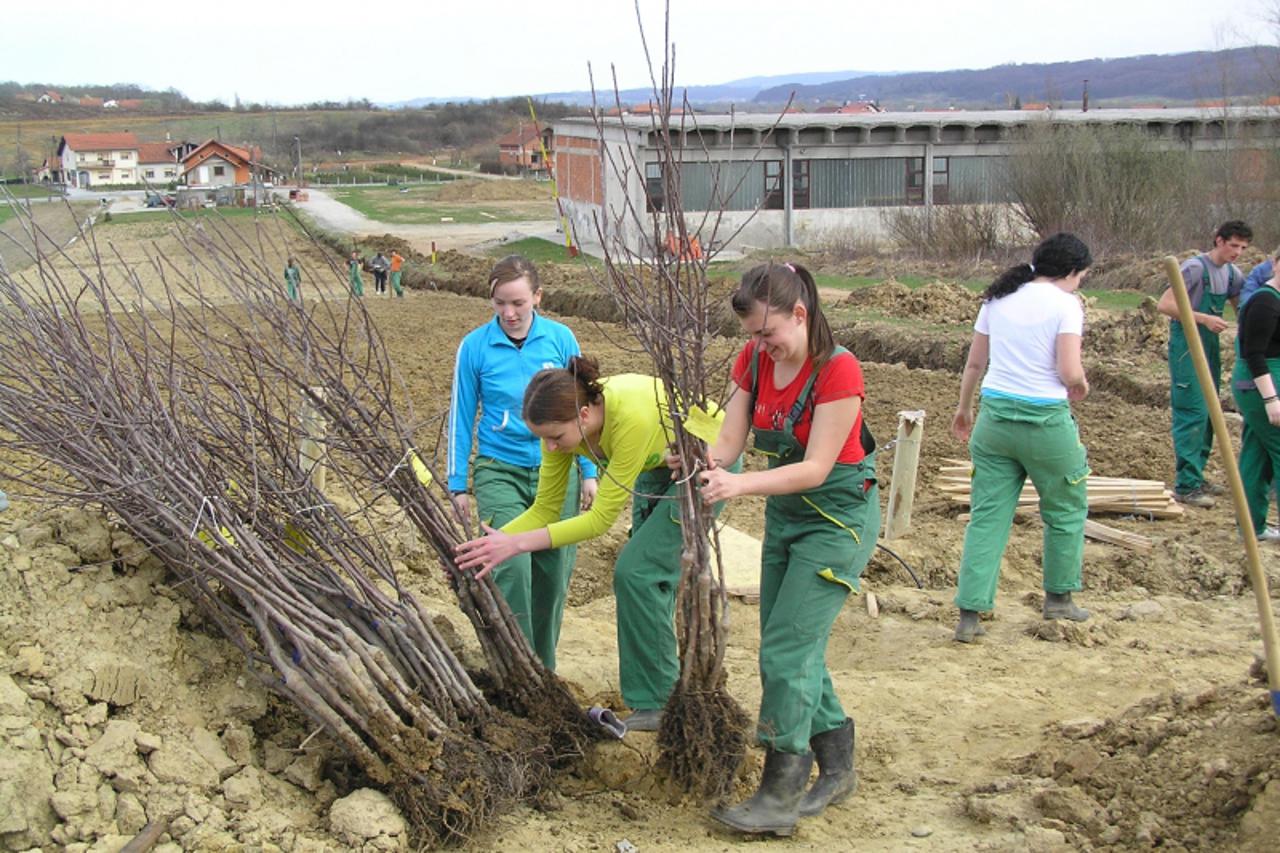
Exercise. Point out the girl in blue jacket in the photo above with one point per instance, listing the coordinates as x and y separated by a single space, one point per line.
495 362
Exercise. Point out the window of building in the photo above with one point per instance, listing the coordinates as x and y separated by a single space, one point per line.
941 179
168 173
126 155
800 184
654 191
151 173
915 180
219 170
773 185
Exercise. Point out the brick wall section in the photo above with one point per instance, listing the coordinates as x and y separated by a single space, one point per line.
578 173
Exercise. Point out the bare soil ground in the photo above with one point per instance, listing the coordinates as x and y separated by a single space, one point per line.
1140 728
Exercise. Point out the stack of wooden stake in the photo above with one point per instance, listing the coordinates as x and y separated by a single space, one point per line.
1117 495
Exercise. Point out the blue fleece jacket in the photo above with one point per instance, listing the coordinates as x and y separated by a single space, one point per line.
1258 276
489 377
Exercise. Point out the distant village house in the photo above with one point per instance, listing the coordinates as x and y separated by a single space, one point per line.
521 150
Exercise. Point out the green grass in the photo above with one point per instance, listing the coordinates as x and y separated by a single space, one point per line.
28 191
417 206
6 213
535 249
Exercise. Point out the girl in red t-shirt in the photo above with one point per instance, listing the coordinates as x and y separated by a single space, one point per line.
801 396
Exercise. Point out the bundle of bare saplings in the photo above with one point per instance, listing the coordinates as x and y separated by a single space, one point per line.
196 416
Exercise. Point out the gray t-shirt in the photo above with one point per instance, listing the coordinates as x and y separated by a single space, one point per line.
1225 279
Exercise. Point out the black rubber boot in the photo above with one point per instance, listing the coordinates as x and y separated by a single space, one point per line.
1058 605
970 626
775 807
837 778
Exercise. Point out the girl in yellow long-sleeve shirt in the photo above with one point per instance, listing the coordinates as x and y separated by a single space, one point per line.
623 424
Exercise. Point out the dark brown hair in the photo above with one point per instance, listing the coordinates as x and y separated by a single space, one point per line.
511 268
782 287
556 394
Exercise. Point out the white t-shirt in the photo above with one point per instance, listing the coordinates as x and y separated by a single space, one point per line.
1023 328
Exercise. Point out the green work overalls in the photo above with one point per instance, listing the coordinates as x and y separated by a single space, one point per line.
357 282
535 584
1192 431
1259 441
646 577
816 544
292 279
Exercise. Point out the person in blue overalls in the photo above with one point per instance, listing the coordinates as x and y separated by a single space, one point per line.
494 365
1212 281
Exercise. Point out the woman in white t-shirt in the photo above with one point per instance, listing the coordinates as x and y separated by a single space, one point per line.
1027 340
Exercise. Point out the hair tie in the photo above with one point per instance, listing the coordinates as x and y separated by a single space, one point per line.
1032 267
790 267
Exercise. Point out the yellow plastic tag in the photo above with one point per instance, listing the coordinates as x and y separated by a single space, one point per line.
295 540
210 542
419 468
703 424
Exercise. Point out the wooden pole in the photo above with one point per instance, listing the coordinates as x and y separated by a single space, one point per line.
1257 577
311 448
906 462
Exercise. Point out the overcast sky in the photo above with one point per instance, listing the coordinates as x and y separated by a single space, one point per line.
285 51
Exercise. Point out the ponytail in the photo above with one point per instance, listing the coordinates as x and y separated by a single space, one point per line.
782 287
1056 257
556 394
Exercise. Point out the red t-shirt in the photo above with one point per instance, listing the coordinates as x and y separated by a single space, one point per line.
839 378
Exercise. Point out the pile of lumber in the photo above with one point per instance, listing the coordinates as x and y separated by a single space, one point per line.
1115 495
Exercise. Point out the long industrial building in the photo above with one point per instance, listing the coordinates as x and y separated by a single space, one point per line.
797 179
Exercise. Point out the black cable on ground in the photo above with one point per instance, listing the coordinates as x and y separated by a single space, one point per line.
919 585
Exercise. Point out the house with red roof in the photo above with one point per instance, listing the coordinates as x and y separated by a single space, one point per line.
217 164
98 159
158 162
521 149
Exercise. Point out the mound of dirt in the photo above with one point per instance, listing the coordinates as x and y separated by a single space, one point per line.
1142 332
1126 272
939 303
1190 771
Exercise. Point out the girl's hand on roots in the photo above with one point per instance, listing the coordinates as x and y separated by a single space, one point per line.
587 496
483 554
718 484
962 423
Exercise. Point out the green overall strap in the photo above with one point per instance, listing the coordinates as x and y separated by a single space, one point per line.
1206 291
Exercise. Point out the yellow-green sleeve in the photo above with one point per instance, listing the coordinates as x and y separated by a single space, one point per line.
627 459
553 485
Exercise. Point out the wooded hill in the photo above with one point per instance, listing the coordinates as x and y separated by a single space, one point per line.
1240 73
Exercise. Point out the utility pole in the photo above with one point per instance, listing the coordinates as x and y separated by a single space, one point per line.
298 146
1084 100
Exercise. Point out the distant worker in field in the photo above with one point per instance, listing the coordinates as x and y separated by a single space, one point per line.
353 274
1026 350
1212 280
293 280
1255 384
494 365
397 268
380 265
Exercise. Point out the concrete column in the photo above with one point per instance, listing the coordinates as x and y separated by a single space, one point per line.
788 202
928 179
